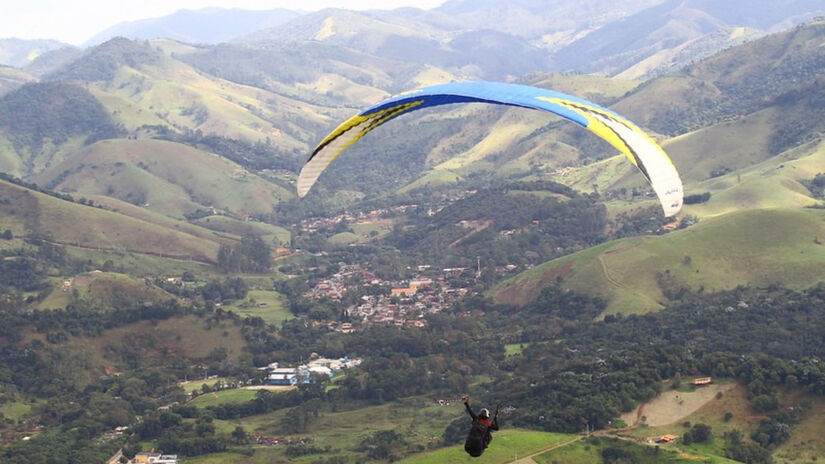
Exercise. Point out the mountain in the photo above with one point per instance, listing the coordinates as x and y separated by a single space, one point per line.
41 122
20 52
208 25
485 54
52 60
126 86
169 178
550 23
640 39
315 73
13 78
751 139
672 25
732 83
31 214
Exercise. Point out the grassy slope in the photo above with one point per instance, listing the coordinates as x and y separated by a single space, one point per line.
235 395
15 411
188 337
741 146
266 304
758 247
805 443
147 215
11 78
10 161
589 452
507 445
418 419
171 90
757 182
141 264
489 131
105 290
74 225
278 236
172 178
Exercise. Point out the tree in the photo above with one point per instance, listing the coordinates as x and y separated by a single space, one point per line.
239 435
7 235
252 254
701 433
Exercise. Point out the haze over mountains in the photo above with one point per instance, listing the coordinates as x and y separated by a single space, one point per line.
639 38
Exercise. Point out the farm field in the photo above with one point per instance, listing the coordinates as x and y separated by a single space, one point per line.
266 304
235 395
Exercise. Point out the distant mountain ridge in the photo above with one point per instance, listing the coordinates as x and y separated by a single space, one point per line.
21 52
208 25
489 39
673 24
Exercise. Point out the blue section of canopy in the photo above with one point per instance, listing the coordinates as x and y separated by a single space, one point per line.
490 92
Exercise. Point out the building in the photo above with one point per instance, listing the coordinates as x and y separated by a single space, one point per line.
282 376
421 282
699 381
666 438
150 457
321 370
408 291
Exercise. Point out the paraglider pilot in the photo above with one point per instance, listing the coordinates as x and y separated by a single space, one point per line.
480 434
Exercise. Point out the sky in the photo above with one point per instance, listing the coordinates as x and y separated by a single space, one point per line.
74 21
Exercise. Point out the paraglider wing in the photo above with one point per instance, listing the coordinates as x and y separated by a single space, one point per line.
625 136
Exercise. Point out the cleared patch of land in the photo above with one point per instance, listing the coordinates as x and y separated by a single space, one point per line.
673 406
192 385
266 304
269 387
235 395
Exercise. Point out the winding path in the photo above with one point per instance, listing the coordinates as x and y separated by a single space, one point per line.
529 458
607 274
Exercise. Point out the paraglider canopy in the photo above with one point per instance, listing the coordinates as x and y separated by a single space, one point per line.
634 143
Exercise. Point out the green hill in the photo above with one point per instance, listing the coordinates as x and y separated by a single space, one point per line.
154 343
278 236
635 275
166 177
32 214
732 83
11 78
42 122
143 84
103 290
102 62
310 72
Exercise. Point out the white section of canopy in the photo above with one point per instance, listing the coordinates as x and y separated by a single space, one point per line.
314 167
660 169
